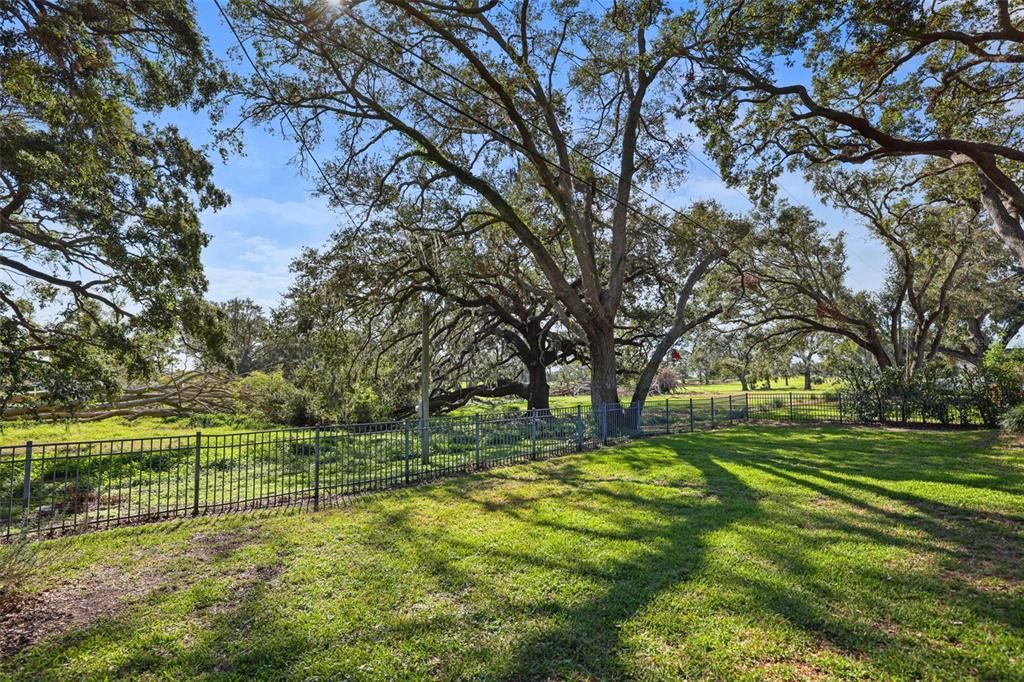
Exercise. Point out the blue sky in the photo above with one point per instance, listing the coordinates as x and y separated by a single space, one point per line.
273 214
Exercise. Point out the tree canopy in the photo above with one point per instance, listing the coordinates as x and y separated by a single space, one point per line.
429 102
100 236
789 84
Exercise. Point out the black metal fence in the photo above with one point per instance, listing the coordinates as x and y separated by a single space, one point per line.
53 488
849 408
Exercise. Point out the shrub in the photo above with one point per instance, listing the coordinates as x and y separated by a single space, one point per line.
273 398
363 404
1013 419
666 381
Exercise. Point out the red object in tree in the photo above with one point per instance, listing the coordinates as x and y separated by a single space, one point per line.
676 357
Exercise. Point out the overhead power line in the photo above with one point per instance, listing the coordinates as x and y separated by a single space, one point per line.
597 163
446 103
287 116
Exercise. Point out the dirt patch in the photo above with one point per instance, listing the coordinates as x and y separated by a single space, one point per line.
211 546
107 591
70 605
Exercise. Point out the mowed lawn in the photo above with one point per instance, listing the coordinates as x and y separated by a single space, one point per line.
796 384
745 553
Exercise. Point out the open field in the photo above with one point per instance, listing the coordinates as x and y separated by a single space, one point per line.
17 432
754 552
689 391
66 487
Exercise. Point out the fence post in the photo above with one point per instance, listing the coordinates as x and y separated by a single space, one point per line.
316 471
195 474
26 490
791 415
668 418
691 415
408 437
730 410
579 428
477 430
746 407
425 439
604 423
840 409
533 434
712 412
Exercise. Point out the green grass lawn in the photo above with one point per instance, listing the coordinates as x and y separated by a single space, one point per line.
486 405
778 385
748 553
17 432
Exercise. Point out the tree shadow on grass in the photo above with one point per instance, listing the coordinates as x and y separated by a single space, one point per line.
543 571
975 545
636 538
863 617
937 563
890 455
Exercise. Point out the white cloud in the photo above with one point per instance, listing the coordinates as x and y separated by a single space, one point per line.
265 288
253 242
247 214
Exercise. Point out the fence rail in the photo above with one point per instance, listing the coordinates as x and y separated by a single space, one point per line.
54 488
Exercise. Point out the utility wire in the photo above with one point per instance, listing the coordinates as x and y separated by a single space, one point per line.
714 171
710 168
480 123
529 123
462 113
287 116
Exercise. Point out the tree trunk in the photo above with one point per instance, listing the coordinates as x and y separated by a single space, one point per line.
1005 223
604 387
807 377
650 370
743 383
538 391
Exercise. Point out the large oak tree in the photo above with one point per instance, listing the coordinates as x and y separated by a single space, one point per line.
422 98
99 201
944 267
